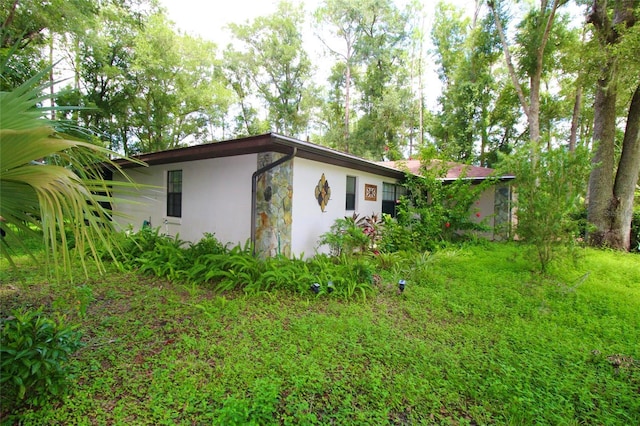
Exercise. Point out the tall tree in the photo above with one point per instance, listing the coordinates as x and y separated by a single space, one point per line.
278 65
177 87
466 52
246 121
612 182
30 26
371 79
106 87
343 16
385 96
533 39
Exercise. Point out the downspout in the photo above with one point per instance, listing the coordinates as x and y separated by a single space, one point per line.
254 191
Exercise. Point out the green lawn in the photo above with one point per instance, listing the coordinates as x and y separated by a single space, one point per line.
478 339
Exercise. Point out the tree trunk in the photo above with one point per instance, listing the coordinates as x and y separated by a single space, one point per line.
577 107
532 107
627 178
602 203
611 201
52 89
534 113
347 104
575 118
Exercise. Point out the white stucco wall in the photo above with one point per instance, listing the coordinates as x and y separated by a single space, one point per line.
309 222
216 198
484 206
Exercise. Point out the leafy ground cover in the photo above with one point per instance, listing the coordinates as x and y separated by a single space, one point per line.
476 338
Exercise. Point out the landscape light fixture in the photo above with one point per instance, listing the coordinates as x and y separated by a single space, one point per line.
330 287
401 285
315 287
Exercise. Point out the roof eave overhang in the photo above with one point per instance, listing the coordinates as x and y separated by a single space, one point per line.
319 153
270 142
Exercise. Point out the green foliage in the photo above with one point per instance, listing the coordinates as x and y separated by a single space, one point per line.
396 236
475 338
280 273
176 94
239 269
208 244
353 234
75 302
275 67
549 191
167 259
346 236
34 356
435 213
52 183
635 232
27 27
370 42
257 408
212 264
469 116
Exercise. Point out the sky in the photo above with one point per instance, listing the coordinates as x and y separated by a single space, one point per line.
208 19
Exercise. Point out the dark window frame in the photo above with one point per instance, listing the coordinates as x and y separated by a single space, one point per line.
391 193
350 197
174 193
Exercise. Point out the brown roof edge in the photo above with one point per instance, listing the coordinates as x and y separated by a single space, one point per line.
268 142
248 145
311 151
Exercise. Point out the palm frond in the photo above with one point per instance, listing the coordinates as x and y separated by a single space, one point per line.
52 182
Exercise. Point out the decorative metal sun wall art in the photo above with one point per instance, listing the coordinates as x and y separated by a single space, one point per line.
323 192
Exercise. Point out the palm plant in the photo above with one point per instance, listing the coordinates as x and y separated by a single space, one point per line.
51 183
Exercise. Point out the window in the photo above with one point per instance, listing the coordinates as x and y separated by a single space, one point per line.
351 193
391 194
174 193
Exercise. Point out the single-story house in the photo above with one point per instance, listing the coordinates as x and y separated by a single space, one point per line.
279 192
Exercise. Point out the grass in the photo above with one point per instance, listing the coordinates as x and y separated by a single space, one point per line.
476 338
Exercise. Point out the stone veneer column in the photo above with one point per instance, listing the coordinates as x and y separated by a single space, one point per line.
273 207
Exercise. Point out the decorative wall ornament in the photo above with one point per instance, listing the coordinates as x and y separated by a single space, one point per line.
370 192
323 192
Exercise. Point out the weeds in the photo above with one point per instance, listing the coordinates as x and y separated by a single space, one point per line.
476 338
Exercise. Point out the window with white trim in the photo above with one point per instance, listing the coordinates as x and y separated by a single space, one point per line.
350 203
174 193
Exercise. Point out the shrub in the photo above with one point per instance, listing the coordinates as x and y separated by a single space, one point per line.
550 191
396 237
167 259
635 232
345 236
209 244
581 224
433 214
34 354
